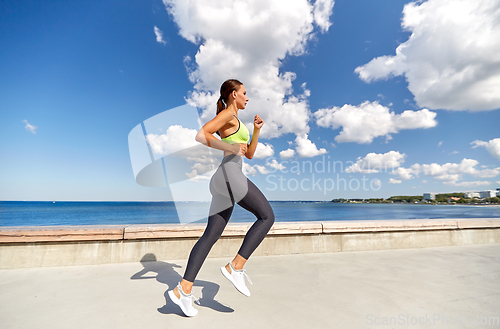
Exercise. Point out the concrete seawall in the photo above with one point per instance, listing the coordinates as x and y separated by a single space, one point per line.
39 246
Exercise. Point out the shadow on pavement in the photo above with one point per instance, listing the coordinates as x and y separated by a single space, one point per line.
165 273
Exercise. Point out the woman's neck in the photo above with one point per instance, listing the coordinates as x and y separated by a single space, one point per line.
232 107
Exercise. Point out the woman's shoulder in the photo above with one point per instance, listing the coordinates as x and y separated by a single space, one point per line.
226 115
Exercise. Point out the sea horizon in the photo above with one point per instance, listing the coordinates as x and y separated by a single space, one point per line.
147 201
47 213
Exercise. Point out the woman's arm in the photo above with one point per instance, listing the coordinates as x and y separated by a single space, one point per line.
206 137
257 124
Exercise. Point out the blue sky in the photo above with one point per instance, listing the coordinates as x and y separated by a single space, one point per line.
76 78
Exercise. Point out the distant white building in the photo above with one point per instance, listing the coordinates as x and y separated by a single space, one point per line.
429 196
488 194
472 195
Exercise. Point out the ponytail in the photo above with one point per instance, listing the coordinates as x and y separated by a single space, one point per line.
225 90
220 105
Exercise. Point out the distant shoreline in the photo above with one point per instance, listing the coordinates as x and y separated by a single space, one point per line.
425 204
291 201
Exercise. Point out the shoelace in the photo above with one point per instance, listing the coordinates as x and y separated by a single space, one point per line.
182 293
246 275
244 270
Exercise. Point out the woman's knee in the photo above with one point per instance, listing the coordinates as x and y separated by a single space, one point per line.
212 233
209 239
269 215
266 213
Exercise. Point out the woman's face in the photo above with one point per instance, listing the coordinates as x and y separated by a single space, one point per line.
241 98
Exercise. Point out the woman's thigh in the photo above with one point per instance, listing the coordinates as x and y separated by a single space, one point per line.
255 202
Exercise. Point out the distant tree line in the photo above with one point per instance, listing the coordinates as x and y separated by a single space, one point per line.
406 198
445 196
440 198
494 200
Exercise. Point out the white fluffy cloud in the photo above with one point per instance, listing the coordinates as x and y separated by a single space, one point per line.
322 10
287 154
377 162
29 127
176 138
493 146
403 173
248 40
263 150
306 148
181 141
159 36
248 170
394 181
276 165
363 123
261 169
253 170
195 177
449 173
451 60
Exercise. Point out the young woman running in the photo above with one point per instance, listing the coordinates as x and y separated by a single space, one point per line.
228 186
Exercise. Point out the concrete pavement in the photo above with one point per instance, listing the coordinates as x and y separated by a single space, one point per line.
440 287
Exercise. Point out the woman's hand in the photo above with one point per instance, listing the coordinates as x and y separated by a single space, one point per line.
240 149
258 122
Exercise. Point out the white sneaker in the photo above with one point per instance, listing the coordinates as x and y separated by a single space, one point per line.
185 302
237 278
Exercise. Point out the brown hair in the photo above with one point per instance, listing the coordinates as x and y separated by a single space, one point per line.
225 90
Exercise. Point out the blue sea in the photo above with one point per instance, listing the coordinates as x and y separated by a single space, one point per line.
38 213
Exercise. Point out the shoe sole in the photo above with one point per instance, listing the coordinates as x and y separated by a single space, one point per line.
230 278
177 302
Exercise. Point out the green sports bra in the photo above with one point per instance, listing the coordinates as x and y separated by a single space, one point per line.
239 136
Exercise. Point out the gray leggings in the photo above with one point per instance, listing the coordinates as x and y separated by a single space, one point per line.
229 186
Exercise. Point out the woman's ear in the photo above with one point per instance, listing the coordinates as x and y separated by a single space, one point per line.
233 94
